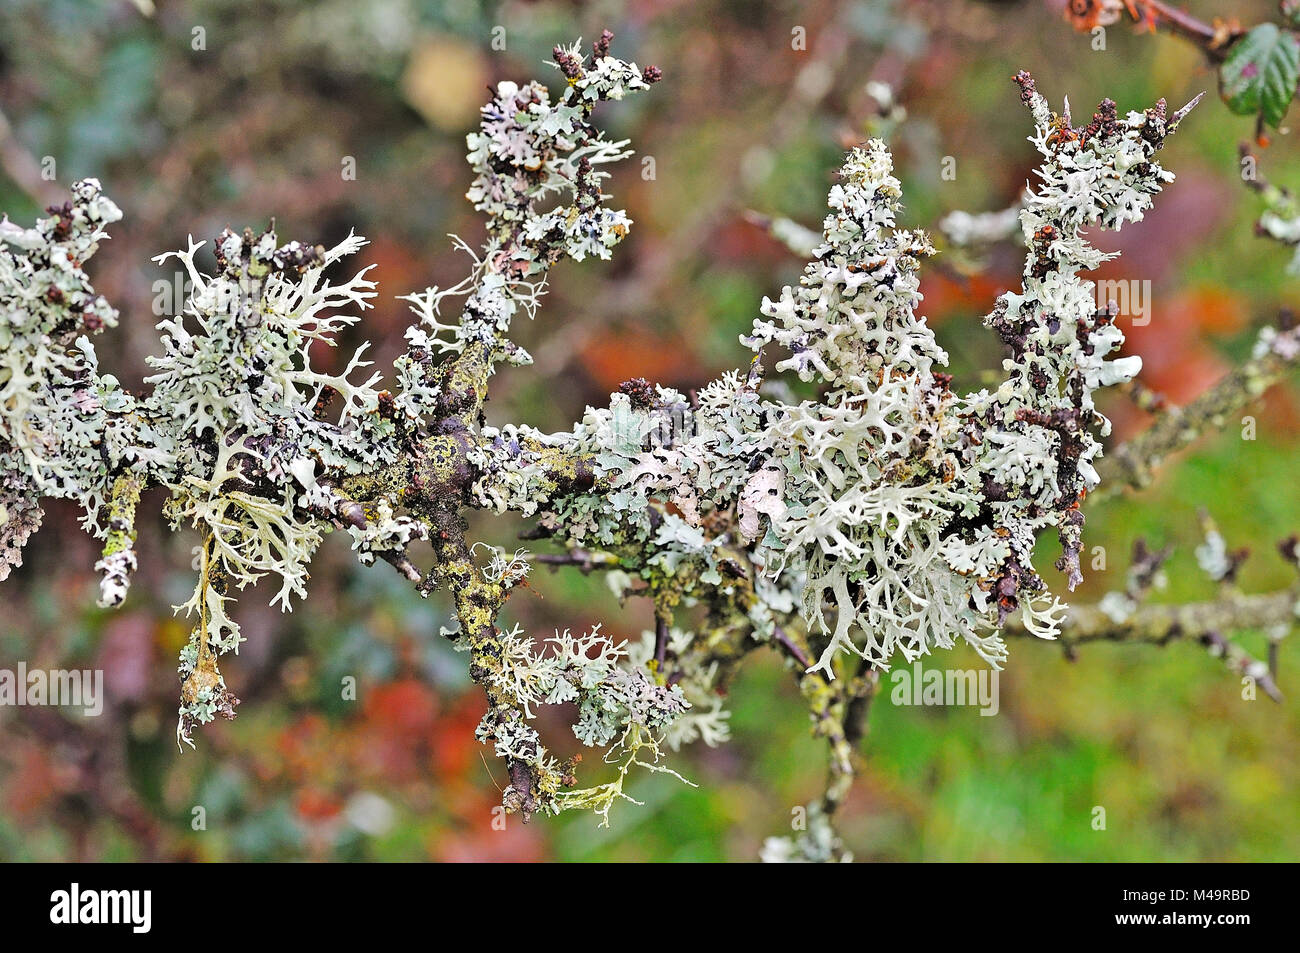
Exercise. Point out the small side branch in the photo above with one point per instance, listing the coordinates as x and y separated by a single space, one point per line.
583 560
118 560
1213 39
1204 622
352 513
1133 463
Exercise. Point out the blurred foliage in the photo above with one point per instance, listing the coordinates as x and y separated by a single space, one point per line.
258 123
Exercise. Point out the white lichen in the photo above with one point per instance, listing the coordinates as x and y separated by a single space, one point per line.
883 514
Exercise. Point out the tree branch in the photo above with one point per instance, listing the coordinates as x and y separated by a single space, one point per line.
1202 621
1133 463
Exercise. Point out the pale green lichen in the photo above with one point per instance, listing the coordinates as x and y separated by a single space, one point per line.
899 515
884 516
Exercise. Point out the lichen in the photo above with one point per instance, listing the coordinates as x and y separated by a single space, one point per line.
885 516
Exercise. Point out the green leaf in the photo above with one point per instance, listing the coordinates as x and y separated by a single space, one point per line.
1261 72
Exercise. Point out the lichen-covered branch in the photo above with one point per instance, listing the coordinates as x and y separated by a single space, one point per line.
1126 615
1159 623
885 516
119 559
1134 462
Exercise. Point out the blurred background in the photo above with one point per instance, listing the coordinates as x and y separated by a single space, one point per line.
229 112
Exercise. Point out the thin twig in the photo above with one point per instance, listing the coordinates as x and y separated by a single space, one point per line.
1133 463
661 640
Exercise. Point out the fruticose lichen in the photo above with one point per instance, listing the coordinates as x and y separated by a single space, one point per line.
886 517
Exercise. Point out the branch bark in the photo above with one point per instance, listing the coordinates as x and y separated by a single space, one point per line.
1133 463
1205 622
